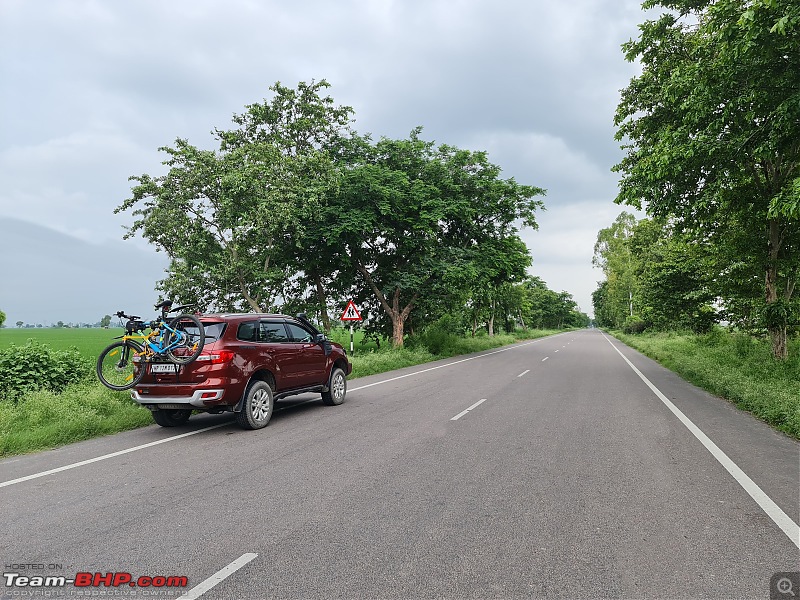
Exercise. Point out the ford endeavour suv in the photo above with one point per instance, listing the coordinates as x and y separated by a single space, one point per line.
248 362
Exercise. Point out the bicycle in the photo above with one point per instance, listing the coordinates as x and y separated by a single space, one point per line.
180 340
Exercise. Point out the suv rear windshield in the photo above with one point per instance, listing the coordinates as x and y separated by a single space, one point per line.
213 330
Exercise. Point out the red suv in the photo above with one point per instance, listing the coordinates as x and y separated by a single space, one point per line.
248 362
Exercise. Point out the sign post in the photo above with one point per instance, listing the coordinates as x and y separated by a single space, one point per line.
351 314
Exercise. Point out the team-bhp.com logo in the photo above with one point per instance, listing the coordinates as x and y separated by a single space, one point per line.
95 580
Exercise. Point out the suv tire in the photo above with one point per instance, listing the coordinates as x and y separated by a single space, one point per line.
257 407
171 418
337 388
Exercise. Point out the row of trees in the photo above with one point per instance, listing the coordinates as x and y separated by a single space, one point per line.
297 211
711 130
21 324
657 275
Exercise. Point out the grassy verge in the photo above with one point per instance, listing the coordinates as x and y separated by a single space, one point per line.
733 366
42 419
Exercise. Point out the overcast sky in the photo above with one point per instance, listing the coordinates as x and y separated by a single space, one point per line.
90 89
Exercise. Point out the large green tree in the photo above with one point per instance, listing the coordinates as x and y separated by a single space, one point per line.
227 218
416 219
613 254
711 129
676 285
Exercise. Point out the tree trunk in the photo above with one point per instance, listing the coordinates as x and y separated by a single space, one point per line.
323 303
397 316
397 331
777 331
491 319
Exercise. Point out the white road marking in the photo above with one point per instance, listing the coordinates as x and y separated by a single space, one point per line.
781 519
457 362
106 456
218 577
524 372
545 358
463 412
183 435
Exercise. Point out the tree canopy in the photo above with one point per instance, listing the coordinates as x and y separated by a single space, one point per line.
711 130
295 209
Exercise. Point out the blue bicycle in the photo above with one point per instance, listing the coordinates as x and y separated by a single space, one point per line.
178 340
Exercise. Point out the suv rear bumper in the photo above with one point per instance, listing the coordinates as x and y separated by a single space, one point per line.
198 399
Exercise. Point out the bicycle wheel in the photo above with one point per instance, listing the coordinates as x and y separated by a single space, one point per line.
116 368
186 342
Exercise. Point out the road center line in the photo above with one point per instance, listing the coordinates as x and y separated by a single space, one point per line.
457 362
218 577
463 412
781 519
106 456
524 372
545 358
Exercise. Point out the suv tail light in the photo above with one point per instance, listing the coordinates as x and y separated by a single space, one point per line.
216 358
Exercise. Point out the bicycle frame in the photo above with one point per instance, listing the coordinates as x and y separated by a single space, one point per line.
155 343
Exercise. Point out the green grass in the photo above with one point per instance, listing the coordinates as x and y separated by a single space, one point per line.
733 366
43 419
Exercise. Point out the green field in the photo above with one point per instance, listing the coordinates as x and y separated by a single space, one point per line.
89 341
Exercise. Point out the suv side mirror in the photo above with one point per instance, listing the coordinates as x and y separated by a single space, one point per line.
319 338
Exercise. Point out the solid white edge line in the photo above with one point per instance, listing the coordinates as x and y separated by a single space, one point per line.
169 439
526 371
106 456
781 519
218 577
463 412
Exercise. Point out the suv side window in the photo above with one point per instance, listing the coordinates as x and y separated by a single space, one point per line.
247 331
272 332
298 334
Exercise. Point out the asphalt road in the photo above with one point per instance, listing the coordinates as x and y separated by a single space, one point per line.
568 477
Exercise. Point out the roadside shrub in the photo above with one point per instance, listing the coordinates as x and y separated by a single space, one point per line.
36 366
634 324
442 338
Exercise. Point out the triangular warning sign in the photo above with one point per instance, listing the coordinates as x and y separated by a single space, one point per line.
351 313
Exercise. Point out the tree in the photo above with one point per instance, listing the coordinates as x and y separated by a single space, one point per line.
105 321
712 133
2 318
226 218
612 253
416 218
675 278
20 324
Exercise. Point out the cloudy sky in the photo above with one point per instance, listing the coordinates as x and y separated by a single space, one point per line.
89 89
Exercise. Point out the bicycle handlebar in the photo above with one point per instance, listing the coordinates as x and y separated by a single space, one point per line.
121 314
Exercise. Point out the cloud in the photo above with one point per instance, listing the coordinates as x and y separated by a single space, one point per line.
93 88
54 277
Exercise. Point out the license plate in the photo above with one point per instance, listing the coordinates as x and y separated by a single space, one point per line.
165 368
